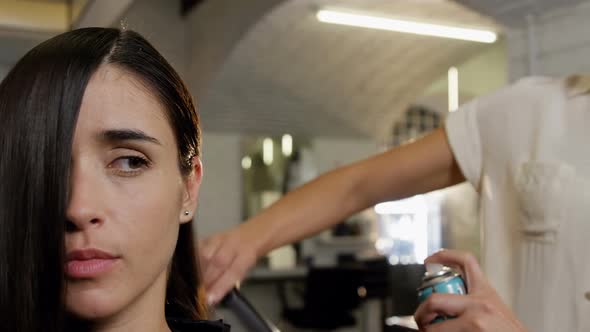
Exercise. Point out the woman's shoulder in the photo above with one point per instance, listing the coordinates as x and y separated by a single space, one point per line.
187 325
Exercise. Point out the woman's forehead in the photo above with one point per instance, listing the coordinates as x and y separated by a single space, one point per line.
116 86
115 98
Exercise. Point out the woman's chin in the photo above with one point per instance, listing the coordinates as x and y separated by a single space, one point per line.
92 305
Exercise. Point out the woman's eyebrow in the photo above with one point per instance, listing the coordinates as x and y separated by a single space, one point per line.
119 135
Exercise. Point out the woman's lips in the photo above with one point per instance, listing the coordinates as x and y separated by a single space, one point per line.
89 263
89 268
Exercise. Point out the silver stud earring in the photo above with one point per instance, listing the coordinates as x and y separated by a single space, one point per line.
186 213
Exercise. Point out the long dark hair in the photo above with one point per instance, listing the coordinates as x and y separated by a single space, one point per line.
40 99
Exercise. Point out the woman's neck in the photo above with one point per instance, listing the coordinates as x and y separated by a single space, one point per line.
144 314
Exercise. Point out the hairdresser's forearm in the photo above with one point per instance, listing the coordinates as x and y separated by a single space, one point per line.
307 210
423 166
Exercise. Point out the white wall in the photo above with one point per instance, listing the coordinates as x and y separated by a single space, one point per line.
563 43
330 153
220 200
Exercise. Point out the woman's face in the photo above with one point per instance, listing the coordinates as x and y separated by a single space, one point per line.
127 200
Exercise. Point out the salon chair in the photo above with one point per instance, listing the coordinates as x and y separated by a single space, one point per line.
329 299
394 286
404 281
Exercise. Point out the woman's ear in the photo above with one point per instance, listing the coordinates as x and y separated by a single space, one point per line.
192 183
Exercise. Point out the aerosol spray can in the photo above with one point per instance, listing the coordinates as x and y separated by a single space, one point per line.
440 279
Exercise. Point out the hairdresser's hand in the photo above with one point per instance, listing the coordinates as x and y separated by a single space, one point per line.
481 310
225 259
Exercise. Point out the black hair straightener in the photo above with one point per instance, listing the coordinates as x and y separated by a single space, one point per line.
246 313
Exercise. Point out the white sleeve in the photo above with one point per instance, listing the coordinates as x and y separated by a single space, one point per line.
482 133
464 137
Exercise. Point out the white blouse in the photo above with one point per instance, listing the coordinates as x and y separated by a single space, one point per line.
526 149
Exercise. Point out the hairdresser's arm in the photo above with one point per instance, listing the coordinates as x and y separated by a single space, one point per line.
425 165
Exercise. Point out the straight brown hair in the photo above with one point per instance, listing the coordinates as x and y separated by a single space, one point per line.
40 99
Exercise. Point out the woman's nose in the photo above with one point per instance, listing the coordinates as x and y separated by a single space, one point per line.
84 203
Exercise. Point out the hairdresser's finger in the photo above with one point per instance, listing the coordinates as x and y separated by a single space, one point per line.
451 305
208 247
219 264
451 325
231 277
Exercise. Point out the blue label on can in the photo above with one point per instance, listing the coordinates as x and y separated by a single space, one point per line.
452 285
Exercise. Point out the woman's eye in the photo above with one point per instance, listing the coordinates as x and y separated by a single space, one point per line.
130 164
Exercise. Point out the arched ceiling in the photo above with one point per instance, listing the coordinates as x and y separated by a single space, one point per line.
291 73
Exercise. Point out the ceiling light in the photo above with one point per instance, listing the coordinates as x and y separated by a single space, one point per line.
427 29
453 82
246 162
287 145
267 151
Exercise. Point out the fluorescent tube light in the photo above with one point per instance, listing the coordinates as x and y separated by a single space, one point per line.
287 145
267 151
427 29
453 77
